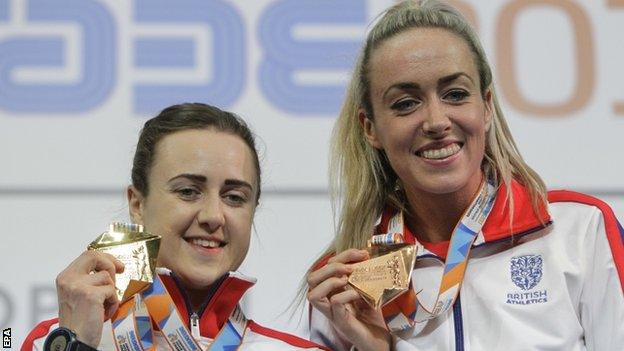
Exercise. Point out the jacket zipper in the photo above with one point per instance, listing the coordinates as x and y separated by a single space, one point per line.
195 326
182 291
458 325
194 315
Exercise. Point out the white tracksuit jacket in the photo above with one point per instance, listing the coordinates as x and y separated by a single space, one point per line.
573 299
214 315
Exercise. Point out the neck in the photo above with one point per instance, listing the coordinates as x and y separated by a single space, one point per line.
198 297
433 217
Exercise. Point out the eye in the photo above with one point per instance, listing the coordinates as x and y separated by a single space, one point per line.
456 95
235 198
188 193
405 105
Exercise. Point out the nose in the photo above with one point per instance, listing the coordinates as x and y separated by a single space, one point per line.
436 122
211 215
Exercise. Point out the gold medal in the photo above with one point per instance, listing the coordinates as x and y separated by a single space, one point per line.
136 249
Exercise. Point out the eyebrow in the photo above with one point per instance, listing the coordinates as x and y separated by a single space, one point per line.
452 77
194 177
202 179
238 182
413 86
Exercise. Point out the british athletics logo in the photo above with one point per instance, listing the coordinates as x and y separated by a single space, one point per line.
526 273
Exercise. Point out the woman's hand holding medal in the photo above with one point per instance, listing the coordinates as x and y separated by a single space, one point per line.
352 317
87 296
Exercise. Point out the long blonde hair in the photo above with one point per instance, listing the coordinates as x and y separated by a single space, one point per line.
361 179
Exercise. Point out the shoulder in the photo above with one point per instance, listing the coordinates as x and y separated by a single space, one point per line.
258 336
35 339
567 196
579 204
576 210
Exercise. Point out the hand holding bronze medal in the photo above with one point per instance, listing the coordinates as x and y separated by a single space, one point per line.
136 249
386 275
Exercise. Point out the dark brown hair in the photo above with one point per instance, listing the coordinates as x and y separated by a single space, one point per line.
183 117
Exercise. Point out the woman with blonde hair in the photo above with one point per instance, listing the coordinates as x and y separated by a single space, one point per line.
421 149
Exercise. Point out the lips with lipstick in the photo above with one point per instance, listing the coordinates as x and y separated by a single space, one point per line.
437 152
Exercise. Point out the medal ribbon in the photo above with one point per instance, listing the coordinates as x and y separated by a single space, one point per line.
133 319
126 333
407 310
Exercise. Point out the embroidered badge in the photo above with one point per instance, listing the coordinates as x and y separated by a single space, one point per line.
526 273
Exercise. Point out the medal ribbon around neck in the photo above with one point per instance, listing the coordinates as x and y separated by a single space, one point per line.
403 313
132 327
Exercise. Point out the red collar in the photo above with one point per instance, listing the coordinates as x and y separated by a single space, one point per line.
497 226
218 308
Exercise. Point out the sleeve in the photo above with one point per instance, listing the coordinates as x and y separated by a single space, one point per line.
399 344
602 298
322 332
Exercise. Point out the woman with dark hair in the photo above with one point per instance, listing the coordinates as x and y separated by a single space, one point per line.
196 183
421 150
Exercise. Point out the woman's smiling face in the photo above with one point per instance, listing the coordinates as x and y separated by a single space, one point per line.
429 115
201 200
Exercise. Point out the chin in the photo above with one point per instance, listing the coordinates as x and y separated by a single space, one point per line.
201 280
441 185
443 189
